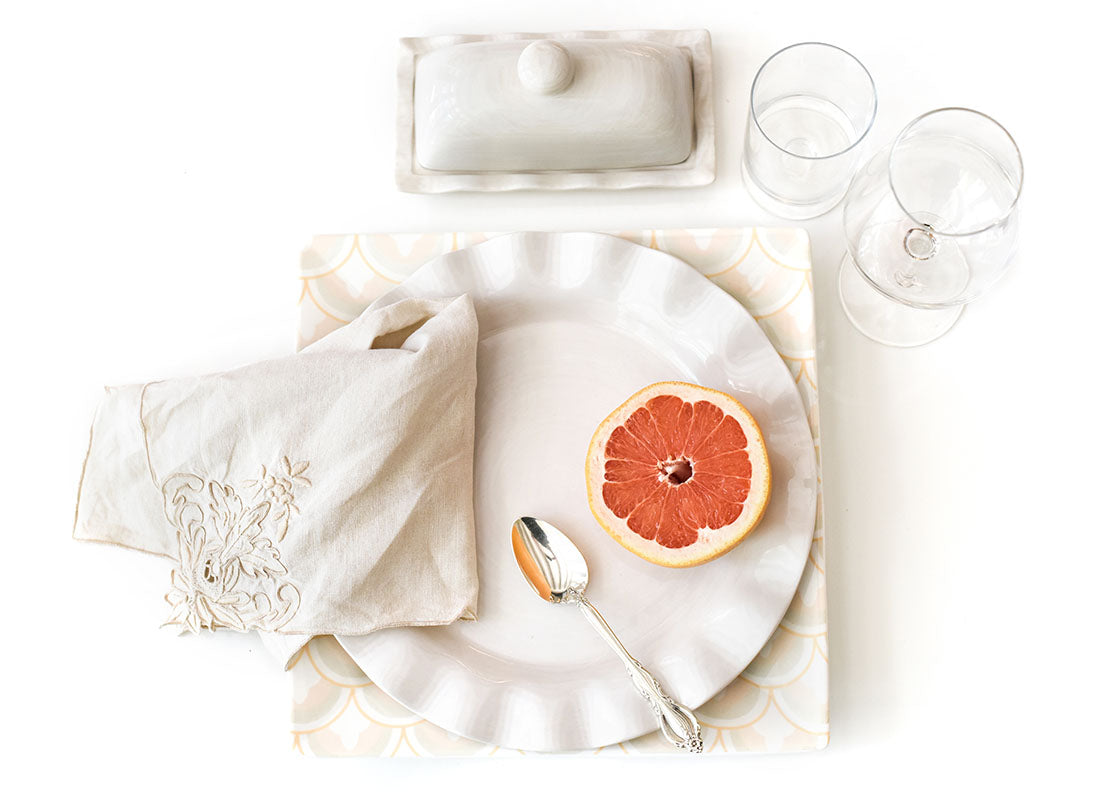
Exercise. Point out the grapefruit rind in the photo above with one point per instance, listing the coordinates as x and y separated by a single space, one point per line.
711 544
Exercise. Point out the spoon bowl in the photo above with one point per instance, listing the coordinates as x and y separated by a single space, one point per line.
550 562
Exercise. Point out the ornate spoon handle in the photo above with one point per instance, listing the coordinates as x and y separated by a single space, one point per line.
678 724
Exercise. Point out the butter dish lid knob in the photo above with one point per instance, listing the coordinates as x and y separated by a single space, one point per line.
545 67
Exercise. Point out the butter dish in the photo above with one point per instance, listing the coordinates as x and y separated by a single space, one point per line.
570 110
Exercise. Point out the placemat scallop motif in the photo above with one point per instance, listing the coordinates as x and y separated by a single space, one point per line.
779 703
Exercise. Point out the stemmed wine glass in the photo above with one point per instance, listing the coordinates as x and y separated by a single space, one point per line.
930 223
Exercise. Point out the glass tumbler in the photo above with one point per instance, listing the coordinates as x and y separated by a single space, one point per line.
931 224
812 105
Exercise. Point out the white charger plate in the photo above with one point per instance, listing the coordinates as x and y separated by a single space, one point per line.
570 325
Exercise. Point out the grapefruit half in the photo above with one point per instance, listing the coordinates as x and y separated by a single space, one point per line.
678 474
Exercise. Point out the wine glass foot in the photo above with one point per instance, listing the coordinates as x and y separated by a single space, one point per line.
888 321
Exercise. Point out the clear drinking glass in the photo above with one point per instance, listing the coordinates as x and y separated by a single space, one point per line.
812 105
931 223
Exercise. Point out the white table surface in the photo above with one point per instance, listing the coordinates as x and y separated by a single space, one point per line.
161 170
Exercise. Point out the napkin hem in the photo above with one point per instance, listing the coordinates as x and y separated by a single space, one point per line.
82 481
117 401
408 623
466 614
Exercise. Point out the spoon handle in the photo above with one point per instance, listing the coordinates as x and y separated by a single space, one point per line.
678 724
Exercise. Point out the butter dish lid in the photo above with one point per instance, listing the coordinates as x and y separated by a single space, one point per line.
547 105
563 110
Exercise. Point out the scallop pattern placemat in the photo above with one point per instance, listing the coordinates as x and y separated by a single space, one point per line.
779 703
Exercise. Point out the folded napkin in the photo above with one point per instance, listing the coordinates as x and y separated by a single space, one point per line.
328 492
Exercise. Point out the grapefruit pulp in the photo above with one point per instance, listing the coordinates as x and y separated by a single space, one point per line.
678 474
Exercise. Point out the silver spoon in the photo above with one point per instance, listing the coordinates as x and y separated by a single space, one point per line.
557 571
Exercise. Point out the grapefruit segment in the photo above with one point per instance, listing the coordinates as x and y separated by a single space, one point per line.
678 474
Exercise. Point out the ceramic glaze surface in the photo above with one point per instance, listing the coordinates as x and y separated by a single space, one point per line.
545 67
583 104
508 111
569 326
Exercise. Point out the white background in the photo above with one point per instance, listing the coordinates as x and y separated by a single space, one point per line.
162 167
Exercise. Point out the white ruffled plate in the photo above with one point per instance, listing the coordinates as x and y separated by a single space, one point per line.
570 325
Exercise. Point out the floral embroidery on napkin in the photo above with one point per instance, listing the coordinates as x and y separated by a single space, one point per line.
278 490
230 574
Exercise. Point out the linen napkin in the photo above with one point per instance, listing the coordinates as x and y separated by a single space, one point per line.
328 492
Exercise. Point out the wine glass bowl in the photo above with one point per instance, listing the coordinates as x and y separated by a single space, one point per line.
930 223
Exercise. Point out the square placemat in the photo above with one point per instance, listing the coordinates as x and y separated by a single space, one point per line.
779 703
